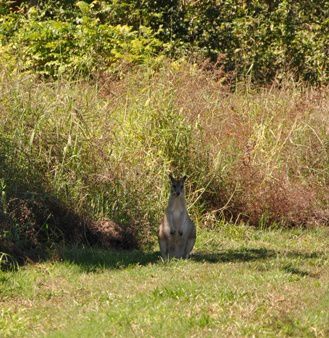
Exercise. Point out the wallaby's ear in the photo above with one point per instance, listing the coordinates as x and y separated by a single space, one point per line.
184 178
171 177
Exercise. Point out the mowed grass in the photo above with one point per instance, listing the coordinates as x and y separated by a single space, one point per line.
241 281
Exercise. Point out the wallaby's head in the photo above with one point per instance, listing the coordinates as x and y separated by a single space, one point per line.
177 185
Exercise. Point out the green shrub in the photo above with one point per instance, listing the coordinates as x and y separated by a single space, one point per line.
261 40
80 46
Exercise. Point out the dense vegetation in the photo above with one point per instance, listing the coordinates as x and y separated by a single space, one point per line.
81 153
100 100
259 39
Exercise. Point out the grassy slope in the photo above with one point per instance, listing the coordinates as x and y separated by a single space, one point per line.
240 281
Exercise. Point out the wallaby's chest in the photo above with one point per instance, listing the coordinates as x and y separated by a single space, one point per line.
177 210
177 214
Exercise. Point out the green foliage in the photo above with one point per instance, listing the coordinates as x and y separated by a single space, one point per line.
79 46
261 40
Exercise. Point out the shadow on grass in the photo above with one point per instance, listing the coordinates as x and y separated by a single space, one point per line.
95 259
91 259
292 270
251 254
296 271
234 255
304 255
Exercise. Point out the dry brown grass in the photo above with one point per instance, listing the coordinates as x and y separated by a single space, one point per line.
267 147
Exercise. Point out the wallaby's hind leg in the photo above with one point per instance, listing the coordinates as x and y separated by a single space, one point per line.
189 247
163 248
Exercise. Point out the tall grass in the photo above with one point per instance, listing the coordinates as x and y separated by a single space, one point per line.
104 149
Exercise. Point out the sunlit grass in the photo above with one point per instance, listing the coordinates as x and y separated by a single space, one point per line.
239 282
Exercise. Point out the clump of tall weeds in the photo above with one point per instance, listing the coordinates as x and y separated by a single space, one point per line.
268 148
104 149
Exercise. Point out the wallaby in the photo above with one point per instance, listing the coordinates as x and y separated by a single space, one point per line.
177 232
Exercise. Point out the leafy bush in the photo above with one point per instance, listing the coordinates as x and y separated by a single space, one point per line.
261 40
80 46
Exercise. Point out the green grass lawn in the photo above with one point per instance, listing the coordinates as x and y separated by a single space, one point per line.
239 282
